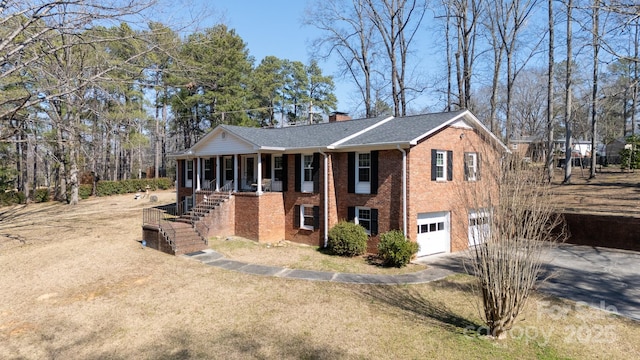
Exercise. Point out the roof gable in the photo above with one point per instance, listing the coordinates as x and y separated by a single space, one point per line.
379 132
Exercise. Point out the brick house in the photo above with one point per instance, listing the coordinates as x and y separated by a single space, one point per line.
384 173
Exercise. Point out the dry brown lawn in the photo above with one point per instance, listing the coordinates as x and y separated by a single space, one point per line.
76 284
611 192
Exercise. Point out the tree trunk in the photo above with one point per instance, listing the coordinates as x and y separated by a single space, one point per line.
568 96
550 96
594 93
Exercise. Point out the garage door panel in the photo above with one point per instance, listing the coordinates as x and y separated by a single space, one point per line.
434 234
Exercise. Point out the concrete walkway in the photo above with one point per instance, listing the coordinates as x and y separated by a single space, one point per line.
213 258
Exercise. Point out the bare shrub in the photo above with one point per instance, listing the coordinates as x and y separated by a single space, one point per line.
512 222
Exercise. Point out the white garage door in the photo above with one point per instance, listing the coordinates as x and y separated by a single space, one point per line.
434 235
479 228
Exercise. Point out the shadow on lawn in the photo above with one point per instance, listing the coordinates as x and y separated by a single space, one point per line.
260 344
410 301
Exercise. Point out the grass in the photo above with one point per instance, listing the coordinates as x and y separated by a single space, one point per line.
297 256
77 285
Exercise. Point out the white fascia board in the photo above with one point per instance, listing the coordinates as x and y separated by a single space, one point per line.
438 128
271 148
468 116
354 135
486 130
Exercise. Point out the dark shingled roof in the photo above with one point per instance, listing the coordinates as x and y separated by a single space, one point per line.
318 135
402 130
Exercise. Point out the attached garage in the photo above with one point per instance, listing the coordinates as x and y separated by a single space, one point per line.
434 233
479 228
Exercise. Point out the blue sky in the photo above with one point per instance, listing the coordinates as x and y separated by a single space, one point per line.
269 27
275 27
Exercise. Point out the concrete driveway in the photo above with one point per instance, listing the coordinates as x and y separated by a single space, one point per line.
603 278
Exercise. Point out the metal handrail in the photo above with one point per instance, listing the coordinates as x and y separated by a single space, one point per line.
166 229
162 217
228 187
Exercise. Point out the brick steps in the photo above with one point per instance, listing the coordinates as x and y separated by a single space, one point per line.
187 239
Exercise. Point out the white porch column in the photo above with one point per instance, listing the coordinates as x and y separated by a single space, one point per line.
235 172
198 169
259 187
218 172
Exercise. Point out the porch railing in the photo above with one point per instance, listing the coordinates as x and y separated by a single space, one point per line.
164 216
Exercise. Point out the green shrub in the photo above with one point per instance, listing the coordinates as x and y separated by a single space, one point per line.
84 191
396 250
12 197
106 188
41 195
347 239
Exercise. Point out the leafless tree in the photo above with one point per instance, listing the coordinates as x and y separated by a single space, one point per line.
397 22
568 95
466 17
594 93
550 93
512 225
497 46
31 27
349 33
512 18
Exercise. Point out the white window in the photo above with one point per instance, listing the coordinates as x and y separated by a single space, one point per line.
306 217
363 173
307 173
277 168
441 165
363 218
471 166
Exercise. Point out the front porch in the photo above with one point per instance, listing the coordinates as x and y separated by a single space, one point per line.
186 226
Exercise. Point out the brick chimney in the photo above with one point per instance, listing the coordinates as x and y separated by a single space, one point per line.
339 116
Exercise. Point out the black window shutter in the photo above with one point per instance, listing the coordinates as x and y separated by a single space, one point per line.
296 217
449 165
479 159
182 173
466 166
351 213
316 217
434 161
374 172
351 172
374 221
285 173
298 176
316 172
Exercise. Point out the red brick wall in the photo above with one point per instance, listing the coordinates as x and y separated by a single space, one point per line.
155 240
427 196
271 224
247 215
293 198
388 200
222 221
260 218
